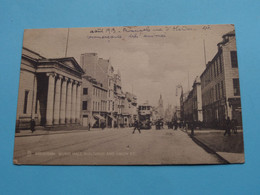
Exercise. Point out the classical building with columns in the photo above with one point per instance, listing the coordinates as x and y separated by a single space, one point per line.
49 91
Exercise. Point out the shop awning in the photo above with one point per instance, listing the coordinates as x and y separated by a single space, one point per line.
99 117
113 118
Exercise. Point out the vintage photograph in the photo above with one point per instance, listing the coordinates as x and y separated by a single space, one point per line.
134 95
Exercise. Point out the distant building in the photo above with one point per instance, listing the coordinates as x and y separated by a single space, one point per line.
192 104
168 115
103 73
49 91
129 109
220 84
183 97
160 108
177 114
94 102
112 120
118 98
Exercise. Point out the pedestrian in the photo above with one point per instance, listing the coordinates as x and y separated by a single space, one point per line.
102 125
234 125
175 125
227 126
32 125
192 126
157 124
136 126
89 126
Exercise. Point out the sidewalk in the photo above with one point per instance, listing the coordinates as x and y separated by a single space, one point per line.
38 132
229 148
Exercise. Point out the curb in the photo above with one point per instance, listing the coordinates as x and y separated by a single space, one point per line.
28 135
207 148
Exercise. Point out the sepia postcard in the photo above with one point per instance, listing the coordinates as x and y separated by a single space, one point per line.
134 95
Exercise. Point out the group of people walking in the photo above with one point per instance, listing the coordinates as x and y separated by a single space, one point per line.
230 125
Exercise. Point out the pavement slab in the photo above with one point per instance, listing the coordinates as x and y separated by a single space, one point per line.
230 148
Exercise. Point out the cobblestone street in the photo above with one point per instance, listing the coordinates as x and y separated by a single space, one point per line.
111 147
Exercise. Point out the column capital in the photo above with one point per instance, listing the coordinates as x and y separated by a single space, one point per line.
59 76
70 80
65 78
74 82
50 74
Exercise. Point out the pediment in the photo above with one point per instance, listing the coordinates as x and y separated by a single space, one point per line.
69 62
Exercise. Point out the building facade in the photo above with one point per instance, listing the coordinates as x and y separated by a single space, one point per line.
103 73
220 85
94 103
129 109
179 93
192 104
49 91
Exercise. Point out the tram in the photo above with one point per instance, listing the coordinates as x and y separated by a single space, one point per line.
145 116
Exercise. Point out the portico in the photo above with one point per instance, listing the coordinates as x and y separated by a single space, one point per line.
53 91
63 100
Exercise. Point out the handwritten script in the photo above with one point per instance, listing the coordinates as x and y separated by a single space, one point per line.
108 33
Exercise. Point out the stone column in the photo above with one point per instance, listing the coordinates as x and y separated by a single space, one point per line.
63 101
50 99
78 103
34 104
73 102
68 103
57 101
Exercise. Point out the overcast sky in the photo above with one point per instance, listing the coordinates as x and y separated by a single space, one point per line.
149 66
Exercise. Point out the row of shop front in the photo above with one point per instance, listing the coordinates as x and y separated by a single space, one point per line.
215 114
108 120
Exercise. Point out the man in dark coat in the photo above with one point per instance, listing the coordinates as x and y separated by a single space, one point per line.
32 125
192 126
136 126
228 124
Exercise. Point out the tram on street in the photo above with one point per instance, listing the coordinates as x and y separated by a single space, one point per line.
145 116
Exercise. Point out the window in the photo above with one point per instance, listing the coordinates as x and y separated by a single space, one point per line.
222 88
216 92
214 70
220 64
216 62
85 91
236 87
233 55
219 95
26 94
211 73
84 105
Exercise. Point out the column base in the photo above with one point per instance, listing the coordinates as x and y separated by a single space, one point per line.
73 121
68 121
56 122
